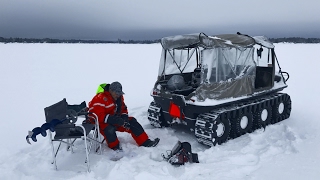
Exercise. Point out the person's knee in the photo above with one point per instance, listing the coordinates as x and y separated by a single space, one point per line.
135 127
109 130
135 124
110 134
133 120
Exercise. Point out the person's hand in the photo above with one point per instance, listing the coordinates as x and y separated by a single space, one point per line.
114 120
126 123
124 117
120 121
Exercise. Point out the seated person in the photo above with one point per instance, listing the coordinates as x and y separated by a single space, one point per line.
113 116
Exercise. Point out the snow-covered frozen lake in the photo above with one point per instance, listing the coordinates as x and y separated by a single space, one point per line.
34 76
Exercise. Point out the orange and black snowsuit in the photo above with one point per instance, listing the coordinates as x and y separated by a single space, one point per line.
103 105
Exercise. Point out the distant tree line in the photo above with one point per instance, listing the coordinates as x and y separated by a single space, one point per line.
295 40
119 41
49 40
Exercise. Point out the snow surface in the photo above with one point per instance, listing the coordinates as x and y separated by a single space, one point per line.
33 76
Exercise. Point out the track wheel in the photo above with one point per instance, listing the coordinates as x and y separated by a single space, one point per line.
155 115
221 130
282 109
243 123
263 116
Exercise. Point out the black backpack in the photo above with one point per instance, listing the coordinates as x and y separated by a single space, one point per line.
180 154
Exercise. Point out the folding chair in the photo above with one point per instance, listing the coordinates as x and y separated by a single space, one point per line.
64 117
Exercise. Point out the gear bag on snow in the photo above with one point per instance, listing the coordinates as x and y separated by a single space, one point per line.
180 154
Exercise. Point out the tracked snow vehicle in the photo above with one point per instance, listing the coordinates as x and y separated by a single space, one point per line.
220 86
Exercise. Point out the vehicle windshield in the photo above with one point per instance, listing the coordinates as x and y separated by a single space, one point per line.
177 61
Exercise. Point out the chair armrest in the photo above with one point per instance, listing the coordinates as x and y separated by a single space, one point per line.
63 126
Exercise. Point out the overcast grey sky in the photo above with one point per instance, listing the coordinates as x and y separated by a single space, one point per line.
153 19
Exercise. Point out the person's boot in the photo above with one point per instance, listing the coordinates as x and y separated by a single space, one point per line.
150 143
117 153
117 148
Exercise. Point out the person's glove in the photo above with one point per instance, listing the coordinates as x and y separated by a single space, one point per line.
125 117
114 120
126 123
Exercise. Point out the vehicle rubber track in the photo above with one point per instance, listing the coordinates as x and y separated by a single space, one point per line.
230 122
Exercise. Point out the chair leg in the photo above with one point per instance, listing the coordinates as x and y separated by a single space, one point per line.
87 153
70 144
94 142
69 147
85 143
97 134
99 138
53 153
